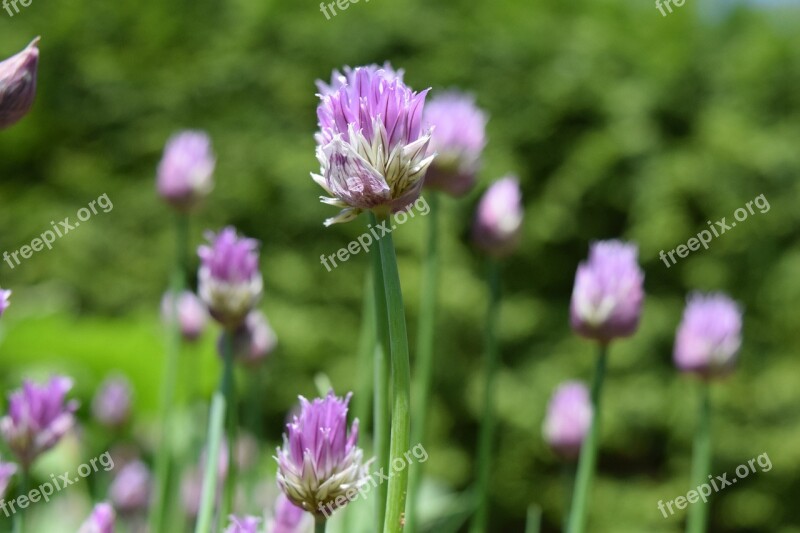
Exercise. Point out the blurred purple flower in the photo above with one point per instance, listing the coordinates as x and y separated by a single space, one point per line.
709 335
4 303
18 84
288 517
499 217
111 405
319 461
130 489
248 524
372 150
230 283
100 521
458 140
37 418
608 293
192 314
569 417
185 170
253 341
6 471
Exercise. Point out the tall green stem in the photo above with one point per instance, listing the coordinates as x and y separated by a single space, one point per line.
19 517
216 424
534 521
401 387
697 519
588 457
163 458
229 391
423 379
319 525
481 518
381 409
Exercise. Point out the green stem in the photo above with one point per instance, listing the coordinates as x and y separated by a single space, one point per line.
19 517
588 456
216 426
381 410
424 372
319 525
534 521
697 518
163 460
401 387
229 392
366 352
481 518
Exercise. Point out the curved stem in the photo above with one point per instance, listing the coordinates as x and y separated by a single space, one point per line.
381 409
423 380
697 518
588 457
481 518
401 387
163 460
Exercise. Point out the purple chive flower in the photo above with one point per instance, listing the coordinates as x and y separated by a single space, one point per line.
185 170
288 517
319 461
4 303
130 489
18 84
111 405
569 417
709 335
458 140
608 293
230 283
192 314
254 340
499 218
100 521
248 524
6 471
372 150
37 418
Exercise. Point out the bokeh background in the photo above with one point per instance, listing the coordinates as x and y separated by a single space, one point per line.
619 122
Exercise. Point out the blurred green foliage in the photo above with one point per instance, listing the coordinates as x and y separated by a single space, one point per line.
619 122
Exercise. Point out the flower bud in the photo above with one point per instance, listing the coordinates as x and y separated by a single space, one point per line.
247 524
18 84
192 314
709 335
459 136
608 293
569 417
4 303
38 417
288 517
372 150
186 169
130 490
100 521
319 462
499 218
6 471
230 283
253 341
111 405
